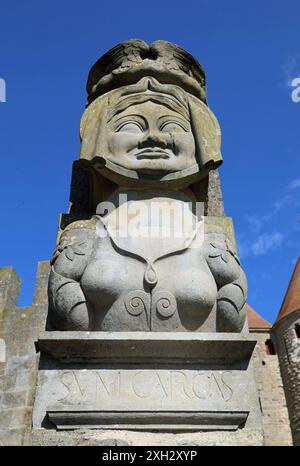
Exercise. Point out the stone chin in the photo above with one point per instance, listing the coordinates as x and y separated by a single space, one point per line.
154 166
147 175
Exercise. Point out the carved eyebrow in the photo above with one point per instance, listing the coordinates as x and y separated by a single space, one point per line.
128 117
173 117
183 122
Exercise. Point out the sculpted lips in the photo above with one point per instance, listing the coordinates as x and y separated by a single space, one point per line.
152 153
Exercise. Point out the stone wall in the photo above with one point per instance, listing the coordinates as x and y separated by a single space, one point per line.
275 418
19 327
288 344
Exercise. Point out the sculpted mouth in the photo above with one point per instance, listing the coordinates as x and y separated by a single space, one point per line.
152 154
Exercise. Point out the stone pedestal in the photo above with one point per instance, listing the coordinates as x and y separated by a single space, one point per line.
171 383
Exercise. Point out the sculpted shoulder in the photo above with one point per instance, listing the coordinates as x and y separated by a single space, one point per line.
74 249
221 258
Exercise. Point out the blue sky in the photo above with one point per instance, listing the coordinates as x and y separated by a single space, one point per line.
250 52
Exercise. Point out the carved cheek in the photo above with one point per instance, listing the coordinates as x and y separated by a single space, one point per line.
122 143
184 144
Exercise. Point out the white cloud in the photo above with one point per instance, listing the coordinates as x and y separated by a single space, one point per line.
264 235
266 242
288 198
255 222
261 245
294 183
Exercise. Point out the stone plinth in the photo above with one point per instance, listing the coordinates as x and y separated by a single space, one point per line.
163 381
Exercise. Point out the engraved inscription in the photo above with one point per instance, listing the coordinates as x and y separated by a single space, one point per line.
162 386
75 392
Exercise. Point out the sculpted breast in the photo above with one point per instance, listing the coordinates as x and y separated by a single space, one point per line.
115 282
105 279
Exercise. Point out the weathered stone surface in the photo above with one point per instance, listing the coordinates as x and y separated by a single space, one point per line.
131 386
100 280
129 438
288 344
148 135
152 146
42 277
87 191
14 399
275 417
276 426
214 200
9 289
145 347
19 329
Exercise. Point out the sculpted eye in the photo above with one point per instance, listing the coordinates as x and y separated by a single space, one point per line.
172 126
130 127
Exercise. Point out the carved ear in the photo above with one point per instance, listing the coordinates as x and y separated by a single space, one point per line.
207 134
93 129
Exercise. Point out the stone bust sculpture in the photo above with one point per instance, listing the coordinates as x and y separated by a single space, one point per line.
148 134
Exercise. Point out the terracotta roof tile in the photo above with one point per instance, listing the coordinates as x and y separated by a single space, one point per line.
255 321
291 301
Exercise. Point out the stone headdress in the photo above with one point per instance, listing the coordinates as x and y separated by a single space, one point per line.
134 72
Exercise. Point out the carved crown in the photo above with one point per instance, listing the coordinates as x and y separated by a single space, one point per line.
131 60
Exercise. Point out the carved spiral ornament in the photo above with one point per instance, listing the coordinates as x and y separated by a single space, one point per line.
136 302
165 303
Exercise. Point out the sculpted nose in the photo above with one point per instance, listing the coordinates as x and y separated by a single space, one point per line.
153 139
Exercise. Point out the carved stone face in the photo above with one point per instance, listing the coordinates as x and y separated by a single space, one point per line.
152 139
